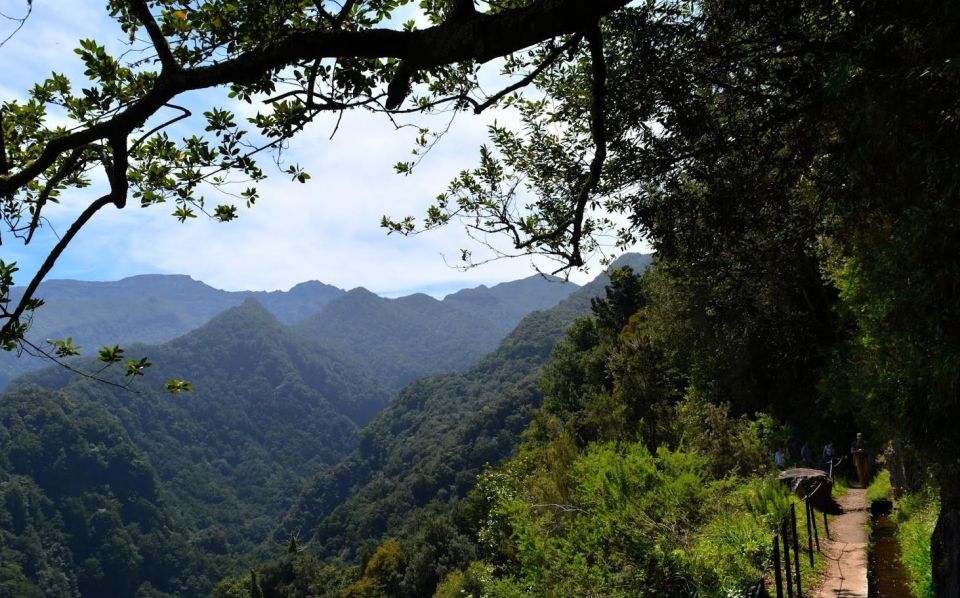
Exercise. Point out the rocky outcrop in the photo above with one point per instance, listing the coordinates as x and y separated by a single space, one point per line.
812 484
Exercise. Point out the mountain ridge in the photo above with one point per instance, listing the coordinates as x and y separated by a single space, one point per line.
155 308
435 436
273 408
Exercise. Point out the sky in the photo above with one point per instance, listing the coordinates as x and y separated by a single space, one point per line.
327 229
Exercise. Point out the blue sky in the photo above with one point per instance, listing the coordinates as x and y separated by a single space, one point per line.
327 229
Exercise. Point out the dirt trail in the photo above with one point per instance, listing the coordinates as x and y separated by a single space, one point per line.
846 550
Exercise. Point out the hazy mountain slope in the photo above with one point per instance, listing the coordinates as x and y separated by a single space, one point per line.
301 301
435 437
373 332
267 410
406 338
150 308
508 302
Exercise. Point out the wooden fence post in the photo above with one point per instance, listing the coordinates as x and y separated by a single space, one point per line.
785 537
796 547
816 534
778 579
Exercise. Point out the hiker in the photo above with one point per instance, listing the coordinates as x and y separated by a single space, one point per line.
861 459
780 459
793 450
827 455
806 454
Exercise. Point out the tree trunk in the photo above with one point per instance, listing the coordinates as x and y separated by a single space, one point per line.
945 542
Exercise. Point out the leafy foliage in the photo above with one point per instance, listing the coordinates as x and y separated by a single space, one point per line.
916 517
587 508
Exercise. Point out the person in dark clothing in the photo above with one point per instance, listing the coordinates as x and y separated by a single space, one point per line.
780 458
861 459
827 455
806 454
793 450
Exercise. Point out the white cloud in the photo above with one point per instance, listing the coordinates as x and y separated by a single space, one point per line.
329 228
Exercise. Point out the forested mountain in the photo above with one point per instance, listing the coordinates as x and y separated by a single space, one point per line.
150 308
407 338
430 443
272 405
267 410
82 512
623 482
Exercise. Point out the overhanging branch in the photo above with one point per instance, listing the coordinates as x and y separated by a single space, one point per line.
598 128
142 12
117 175
480 38
529 78
51 260
469 36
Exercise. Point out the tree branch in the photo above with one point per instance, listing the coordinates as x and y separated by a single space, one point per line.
184 113
344 13
462 9
323 12
95 377
598 128
480 38
65 169
4 165
550 59
48 263
117 175
142 12
21 21
399 86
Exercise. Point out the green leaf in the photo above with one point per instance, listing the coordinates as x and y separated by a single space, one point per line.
64 347
112 354
136 368
184 212
175 386
225 213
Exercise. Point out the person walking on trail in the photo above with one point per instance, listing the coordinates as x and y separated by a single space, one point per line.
860 453
827 455
780 459
806 454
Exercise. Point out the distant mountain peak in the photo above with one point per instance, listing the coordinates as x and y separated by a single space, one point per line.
314 285
637 261
361 291
249 309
